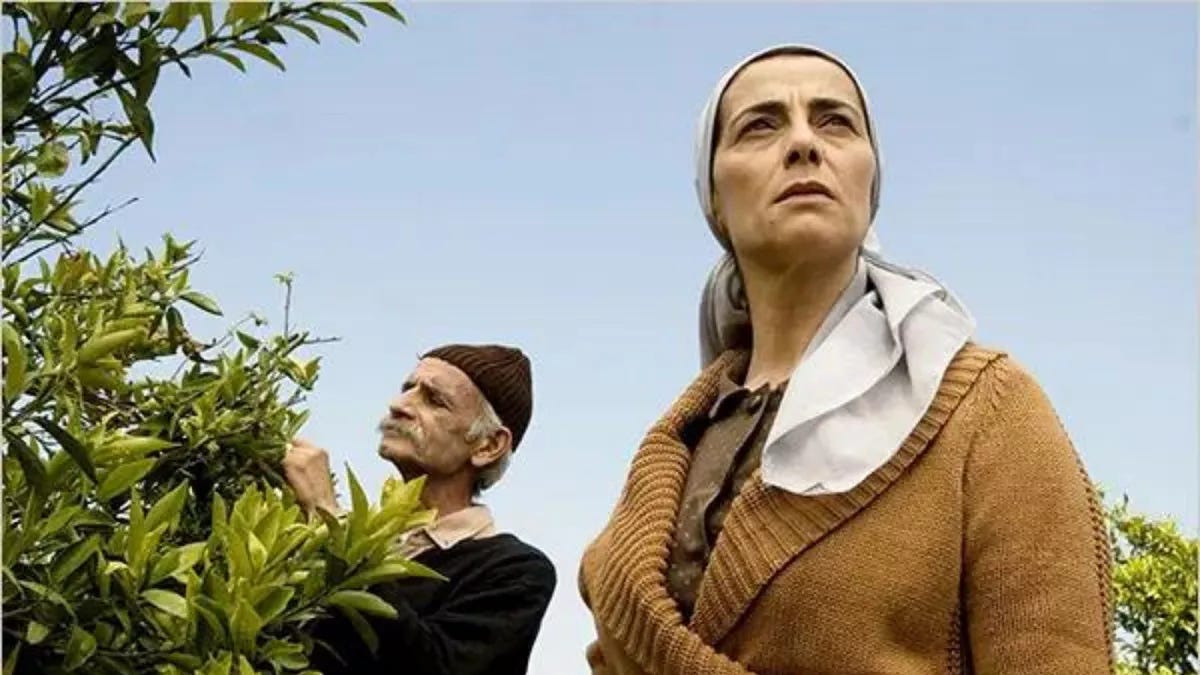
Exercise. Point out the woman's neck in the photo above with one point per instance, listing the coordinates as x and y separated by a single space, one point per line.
786 311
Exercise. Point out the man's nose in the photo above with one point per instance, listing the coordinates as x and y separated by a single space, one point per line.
400 408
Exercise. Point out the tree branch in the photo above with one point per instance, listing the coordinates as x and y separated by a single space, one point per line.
211 42
63 239
52 42
26 231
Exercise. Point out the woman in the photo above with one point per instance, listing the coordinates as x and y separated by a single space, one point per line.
850 485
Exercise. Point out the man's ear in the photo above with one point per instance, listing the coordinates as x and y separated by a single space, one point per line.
492 448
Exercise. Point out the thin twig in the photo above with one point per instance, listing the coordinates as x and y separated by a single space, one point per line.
43 61
319 341
108 211
287 308
25 232
31 174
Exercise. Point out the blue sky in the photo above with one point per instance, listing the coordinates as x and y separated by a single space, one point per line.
521 173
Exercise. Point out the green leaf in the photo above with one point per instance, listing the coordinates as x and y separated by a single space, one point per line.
387 8
207 610
99 379
31 465
261 52
245 12
188 662
221 665
52 160
269 35
97 58
274 603
139 116
123 477
177 561
389 572
18 83
130 447
49 594
62 517
134 12
220 514
15 371
364 602
244 667
205 11
202 301
345 8
360 508
363 627
258 552
72 557
171 603
80 648
150 63
337 532
101 19
41 201
102 345
244 624
178 15
248 341
336 24
73 447
167 509
286 655
235 548
303 30
35 633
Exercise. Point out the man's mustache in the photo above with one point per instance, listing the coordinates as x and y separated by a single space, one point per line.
409 430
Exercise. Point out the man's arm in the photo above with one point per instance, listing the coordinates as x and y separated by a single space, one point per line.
495 613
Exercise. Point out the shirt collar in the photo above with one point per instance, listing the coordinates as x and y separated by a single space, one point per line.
729 391
469 523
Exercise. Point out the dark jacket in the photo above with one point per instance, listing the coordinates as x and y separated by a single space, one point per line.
484 619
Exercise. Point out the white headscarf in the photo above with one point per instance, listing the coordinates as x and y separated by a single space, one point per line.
874 366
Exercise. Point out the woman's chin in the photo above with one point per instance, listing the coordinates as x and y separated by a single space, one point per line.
805 241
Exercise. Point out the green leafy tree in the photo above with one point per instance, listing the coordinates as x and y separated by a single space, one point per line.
147 528
1154 585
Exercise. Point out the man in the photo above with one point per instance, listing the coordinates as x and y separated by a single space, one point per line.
461 414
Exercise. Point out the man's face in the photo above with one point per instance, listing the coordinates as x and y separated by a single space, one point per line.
425 432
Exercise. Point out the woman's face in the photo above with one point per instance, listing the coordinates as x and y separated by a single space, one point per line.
793 168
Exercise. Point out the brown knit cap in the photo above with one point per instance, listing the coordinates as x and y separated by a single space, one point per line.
502 374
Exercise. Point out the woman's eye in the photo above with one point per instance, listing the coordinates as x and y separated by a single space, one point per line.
758 124
839 120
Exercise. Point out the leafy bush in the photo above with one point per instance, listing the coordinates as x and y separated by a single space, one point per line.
147 528
1154 582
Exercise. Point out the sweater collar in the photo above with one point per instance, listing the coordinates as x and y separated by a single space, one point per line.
766 528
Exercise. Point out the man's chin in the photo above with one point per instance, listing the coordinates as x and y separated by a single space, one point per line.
402 459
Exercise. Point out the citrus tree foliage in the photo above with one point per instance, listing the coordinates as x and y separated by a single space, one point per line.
1154 582
146 525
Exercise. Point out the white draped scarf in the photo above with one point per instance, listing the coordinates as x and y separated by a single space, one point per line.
873 368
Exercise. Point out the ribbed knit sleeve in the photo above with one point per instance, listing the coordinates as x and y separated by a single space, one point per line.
1037 584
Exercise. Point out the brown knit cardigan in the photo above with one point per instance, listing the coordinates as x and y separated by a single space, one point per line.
979 548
